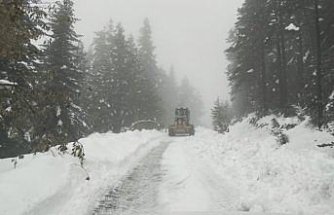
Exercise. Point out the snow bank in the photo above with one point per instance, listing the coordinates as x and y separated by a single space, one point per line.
295 178
53 183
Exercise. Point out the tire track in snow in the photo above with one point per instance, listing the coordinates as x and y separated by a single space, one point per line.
190 184
137 192
182 189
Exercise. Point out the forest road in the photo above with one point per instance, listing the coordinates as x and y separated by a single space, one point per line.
171 179
137 192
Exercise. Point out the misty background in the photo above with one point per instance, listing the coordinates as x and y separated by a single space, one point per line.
188 35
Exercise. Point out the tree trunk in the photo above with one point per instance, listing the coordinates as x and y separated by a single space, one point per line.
264 79
281 54
300 72
319 65
283 77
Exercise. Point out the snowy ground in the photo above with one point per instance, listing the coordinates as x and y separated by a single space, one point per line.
52 183
243 172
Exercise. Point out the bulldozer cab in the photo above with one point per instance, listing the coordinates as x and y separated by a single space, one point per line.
182 116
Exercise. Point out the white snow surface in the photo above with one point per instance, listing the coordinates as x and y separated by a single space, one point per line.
53 183
258 175
244 171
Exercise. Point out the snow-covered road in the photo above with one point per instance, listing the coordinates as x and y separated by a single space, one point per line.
244 172
171 179
137 192
189 184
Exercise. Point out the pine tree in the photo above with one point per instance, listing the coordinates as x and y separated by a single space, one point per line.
293 46
138 82
146 51
221 116
99 82
120 85
152 107
21 24
121 79
63 116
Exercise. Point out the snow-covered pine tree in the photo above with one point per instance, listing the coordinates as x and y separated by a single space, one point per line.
63 119
324 77
285 62
121 74
216 115
119 82
146 52
221 116
21 24
248 77
152 105
99 82
137 82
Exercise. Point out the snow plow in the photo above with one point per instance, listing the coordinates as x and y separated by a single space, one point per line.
181 126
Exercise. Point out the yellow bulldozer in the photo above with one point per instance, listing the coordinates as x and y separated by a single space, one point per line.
181 126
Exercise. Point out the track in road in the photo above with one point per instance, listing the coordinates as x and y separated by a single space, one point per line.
138 192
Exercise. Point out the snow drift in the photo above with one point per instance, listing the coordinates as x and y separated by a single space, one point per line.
266 176
54 183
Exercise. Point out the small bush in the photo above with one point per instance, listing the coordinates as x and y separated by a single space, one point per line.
63 148
78 151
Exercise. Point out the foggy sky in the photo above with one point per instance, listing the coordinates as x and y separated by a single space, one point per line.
188 34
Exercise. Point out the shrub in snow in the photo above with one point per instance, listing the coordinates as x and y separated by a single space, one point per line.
63 148
300 112
14 161
221 115
43 146
253 120
78 151
274 126
277 131
282 138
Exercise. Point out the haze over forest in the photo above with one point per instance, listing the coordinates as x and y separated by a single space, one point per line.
188 35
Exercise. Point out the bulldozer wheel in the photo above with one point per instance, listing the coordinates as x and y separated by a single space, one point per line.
192 132
171 133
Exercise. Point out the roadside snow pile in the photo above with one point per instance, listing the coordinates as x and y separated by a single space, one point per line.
294 178
54 183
